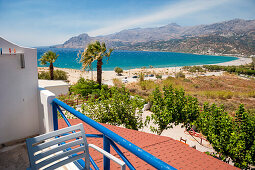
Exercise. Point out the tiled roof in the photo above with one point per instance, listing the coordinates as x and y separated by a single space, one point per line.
167 149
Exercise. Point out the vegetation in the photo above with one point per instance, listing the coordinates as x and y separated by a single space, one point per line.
116 106
117 82
193 69
173 106
86 87
180 75
49 57
232 137
118 70
159 76
228 89
57 74
247 70
95 52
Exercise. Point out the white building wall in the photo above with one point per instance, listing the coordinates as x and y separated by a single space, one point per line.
45 98
58 87
18 93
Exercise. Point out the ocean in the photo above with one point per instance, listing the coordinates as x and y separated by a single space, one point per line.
134 59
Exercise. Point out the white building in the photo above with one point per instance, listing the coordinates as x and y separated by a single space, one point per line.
25 109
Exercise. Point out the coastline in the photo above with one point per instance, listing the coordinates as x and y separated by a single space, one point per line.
107 76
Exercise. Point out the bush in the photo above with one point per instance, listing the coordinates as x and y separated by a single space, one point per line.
147 84
218 94
193 69
118 70
85 87
117 82
159 76
58 75
116 107
180 75
141 77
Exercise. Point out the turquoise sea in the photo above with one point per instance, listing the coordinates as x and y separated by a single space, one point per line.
134 59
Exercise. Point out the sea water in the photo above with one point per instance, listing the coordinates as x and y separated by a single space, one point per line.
133 59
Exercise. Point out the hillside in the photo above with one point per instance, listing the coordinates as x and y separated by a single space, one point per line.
229 37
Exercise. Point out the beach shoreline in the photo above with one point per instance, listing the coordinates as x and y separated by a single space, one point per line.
74 75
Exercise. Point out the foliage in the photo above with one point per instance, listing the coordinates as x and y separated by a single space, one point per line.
116 107
118 70
58 75
230 137
85 87
193 69
117 82
147 84
180 75
232 69
141 77
49 57
95 51
173 106
159 76
218 94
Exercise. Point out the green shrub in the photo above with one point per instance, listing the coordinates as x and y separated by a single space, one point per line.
147 84
180 75
118 70
87 87
141 77
116 107
58 75
159 76
193 69
218 94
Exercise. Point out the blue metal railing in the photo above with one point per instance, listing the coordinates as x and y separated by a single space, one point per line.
109 138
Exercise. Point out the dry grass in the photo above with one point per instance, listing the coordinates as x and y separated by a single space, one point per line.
228 90
117 82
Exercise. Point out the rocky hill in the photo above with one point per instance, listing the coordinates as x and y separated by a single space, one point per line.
229 37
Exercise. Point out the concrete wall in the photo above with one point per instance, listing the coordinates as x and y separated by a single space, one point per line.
45 98
18 93
58 90
57 87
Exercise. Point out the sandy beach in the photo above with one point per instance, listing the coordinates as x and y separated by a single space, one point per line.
107 76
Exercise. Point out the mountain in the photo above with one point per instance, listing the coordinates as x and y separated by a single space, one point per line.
231 33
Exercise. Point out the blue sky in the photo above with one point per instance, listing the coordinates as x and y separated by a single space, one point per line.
48 22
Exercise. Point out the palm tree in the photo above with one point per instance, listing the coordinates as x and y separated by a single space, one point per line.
95 51
49 57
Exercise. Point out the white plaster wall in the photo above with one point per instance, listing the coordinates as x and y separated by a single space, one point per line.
45 98
58 90
18 93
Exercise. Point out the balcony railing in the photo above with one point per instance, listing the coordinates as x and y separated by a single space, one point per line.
109 139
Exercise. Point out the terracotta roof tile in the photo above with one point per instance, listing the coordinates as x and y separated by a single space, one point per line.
173 152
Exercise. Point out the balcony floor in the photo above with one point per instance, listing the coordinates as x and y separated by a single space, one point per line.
14 157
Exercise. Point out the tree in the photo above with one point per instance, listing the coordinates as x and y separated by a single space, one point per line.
95 51
230 137
118 70
49 57
173 106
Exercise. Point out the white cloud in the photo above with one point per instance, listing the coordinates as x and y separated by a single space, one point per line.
170 12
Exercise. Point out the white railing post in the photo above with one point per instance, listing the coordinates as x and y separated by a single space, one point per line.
45 98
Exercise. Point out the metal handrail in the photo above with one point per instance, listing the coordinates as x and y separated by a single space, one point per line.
142 154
